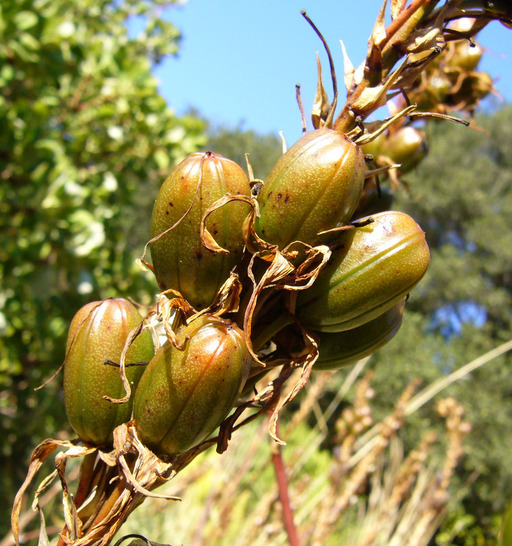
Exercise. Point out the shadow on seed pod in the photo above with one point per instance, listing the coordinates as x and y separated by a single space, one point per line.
98 332
184 395
371 269
315 186
473 88
345 348
373 201
180 260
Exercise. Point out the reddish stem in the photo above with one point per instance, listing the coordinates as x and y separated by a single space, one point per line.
282 484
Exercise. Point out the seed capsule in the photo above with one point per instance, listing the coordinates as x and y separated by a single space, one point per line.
98 332
315 186
184 395
180 260
341 349
407 146
466 55
373 268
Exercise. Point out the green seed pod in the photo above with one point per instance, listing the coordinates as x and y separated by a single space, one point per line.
373 268
180 260
374 146
466 56
474 87
406 146
345 348
315 186
98 332
184 395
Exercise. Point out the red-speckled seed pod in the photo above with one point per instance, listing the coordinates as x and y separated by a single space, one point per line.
98 332
180 260
315 186
372 269
184 395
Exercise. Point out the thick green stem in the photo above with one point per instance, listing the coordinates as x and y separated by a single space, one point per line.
270 330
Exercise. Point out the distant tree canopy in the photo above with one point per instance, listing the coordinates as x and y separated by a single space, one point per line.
461 195
235 143
85 141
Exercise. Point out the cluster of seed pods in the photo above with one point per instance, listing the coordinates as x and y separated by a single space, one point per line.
352 305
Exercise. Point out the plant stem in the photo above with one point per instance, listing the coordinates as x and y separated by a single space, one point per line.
86 477
282 484
270 330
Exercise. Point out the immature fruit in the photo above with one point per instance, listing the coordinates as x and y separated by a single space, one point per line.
180 260
373 268
184 395
466 56
345 348
407 146
98 332
475 87
374 146
315 186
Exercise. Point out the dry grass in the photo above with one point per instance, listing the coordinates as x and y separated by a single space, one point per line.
364 490
359 493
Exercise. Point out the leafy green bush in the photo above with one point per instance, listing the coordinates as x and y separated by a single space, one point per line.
85 141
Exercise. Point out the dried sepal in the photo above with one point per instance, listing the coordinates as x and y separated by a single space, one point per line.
397 6
206 237
372 98
37 459
373 63
321 104
308 361
279 269
148 470
349 73
132 336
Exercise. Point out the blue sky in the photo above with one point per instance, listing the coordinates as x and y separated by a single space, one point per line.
240 61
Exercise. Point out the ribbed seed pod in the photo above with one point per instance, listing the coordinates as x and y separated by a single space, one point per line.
184 395
98 332
179 258
341 349
373 268
315 186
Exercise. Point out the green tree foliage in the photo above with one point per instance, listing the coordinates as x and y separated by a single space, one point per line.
461 195
234 143
85 141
